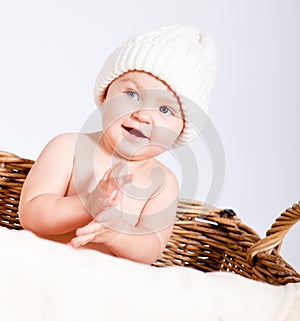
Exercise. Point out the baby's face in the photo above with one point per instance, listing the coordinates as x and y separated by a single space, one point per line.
142 116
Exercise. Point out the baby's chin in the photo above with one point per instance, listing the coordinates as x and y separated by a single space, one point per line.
140 152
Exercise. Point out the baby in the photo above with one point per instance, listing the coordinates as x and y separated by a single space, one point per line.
106 190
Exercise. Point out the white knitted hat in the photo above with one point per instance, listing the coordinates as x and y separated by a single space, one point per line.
181 56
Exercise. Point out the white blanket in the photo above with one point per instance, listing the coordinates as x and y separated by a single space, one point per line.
45 281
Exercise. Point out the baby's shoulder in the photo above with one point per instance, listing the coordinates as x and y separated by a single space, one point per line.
169 178
65 144
166 192
62 139
71 139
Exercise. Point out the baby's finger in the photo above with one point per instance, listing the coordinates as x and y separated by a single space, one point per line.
122 180
82 240
113 188
113 185
91 228
107 173
116 200
116 170
118 182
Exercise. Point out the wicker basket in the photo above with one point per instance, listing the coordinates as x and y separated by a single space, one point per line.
204 238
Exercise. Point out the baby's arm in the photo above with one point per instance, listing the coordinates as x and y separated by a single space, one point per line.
44 208
143 242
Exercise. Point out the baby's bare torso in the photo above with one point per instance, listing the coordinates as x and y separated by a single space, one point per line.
90 164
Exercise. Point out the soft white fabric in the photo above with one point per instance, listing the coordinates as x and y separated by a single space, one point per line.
182 56
42 280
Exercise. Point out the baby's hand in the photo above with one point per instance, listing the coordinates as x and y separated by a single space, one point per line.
108 191
100 229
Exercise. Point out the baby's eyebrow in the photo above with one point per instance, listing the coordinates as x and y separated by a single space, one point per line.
173 102
129 80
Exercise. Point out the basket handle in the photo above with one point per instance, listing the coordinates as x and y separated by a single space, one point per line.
276 233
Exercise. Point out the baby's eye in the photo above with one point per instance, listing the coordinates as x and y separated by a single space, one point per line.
165 110
132 94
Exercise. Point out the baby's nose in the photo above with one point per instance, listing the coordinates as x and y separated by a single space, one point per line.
143 115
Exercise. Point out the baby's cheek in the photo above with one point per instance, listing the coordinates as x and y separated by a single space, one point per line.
164 137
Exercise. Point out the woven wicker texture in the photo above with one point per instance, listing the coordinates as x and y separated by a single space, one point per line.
204 238
211 239
13 171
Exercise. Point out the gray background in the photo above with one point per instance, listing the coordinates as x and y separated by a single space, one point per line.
51 52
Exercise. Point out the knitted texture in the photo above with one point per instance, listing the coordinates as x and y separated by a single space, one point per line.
181 56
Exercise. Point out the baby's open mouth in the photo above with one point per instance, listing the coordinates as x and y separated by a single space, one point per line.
134 132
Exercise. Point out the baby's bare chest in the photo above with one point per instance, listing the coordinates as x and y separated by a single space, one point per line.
134 196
